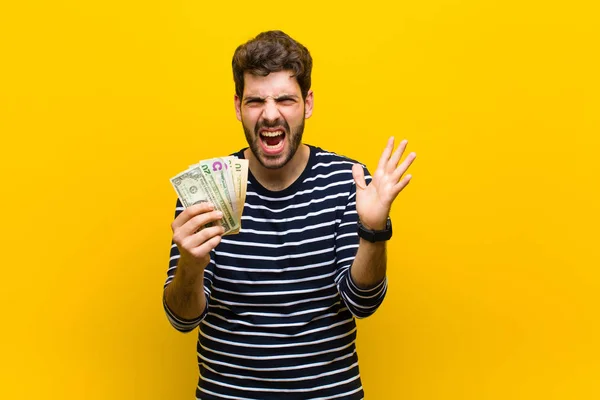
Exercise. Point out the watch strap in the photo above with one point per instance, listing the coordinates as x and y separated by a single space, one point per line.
375 235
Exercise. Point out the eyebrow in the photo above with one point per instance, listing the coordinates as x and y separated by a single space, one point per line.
278 98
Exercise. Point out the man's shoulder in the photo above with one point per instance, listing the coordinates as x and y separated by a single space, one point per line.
326 158
239 153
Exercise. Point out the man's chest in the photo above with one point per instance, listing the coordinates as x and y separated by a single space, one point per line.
288 242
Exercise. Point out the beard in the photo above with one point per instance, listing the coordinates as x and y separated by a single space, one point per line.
293 137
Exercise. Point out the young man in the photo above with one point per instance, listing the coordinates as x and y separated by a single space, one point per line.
276 303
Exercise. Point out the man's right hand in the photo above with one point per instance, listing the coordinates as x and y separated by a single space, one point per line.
194 243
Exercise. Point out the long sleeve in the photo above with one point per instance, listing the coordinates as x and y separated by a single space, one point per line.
361 302
185 325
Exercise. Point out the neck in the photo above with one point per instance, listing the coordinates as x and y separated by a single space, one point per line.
280 178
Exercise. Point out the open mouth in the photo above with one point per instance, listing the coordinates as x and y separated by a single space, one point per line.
272 141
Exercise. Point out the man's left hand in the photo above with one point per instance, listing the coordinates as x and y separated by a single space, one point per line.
374 201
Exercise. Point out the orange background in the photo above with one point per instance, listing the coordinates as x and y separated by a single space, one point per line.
493 267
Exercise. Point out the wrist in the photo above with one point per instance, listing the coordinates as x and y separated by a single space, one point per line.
373 234
190 271
374 226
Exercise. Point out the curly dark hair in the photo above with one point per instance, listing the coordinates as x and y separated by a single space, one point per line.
272 51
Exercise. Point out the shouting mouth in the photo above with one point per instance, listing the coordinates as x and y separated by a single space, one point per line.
272 140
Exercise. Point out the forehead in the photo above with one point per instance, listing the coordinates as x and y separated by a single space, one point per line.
274 84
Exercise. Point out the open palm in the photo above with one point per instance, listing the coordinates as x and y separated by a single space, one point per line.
374 201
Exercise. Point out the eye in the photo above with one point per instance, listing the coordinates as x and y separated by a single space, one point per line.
286 101
254 102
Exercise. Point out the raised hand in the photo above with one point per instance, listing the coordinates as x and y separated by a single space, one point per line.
374 201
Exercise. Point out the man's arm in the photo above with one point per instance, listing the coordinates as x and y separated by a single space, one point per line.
362 293
369 266
373 204
185 298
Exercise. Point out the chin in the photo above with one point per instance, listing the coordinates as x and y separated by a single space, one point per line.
293 141
274 162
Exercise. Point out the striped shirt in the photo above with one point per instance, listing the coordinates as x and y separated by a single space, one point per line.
280 302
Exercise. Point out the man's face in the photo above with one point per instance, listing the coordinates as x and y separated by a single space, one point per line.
272 113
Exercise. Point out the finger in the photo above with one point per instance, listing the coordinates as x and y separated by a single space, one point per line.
181 234
393 162
398 187
196 223
359 176
398 172
190 213
200 237
207 246
385 156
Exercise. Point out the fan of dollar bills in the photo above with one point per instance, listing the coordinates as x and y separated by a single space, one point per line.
221 181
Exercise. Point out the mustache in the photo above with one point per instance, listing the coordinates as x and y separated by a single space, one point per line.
272 124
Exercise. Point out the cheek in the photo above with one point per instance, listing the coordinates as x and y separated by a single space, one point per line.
248 119
294 117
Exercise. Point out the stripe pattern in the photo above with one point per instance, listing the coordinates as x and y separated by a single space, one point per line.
281 304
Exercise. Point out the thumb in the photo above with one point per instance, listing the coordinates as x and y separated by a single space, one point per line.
359 176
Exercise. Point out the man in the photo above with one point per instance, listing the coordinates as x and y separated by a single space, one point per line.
276 303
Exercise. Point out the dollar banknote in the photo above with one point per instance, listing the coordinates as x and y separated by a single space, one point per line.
217 170
239 173
240 180
221 181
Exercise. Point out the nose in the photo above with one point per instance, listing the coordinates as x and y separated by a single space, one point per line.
270 111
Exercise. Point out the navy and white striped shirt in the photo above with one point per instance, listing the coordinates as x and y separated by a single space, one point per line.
281 303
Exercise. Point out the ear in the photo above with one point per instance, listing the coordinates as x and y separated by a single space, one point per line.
308 104
238 103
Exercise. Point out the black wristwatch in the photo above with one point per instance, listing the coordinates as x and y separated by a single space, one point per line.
375 236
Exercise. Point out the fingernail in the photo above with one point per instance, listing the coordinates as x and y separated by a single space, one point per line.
211 206
219 214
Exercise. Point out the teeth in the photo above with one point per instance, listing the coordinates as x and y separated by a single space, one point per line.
280 144
271 134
